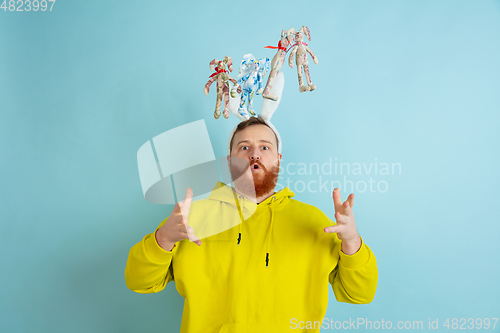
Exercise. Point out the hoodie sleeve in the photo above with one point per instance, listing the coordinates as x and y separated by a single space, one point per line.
354 279
149 267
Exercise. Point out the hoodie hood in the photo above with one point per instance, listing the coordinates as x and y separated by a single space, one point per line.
236 208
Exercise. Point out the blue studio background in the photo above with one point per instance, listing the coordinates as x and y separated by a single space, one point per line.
406 113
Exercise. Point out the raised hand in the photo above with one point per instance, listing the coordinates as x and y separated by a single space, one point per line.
346 226
176 227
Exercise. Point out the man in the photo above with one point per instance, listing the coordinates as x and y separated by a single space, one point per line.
250 259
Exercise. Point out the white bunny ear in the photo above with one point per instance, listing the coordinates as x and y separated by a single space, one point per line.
305 30
270 106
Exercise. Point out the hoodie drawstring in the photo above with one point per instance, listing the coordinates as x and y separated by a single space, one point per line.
271 205
241 214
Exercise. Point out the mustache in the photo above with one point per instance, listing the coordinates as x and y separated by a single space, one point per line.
238 166
259 164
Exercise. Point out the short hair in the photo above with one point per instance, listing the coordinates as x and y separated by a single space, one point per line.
249 122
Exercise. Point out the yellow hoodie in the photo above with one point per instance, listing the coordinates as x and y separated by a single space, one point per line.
277 276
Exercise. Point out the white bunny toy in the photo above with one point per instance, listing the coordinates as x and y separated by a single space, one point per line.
277 62
300 49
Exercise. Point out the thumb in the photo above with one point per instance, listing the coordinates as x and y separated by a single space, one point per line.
332 229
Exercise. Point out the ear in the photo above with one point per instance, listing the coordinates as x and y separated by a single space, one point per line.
230 64
306 32
283 37
242 68
213 63
290 35
229 163
245 60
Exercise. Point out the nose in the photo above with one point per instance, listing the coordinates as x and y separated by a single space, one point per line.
255 155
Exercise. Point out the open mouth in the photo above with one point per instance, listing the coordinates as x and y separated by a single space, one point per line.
255 166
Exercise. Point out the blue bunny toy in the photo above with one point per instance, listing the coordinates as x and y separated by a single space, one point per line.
252 72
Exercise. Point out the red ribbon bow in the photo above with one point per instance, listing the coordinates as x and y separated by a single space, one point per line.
218 71
276 47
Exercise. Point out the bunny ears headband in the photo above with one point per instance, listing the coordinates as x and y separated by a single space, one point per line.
250 81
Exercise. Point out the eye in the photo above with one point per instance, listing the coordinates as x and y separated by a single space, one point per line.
244 147
265 147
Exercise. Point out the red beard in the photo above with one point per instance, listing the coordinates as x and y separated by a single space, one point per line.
261 183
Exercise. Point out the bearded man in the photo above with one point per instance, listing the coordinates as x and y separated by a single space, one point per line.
249 259
254 162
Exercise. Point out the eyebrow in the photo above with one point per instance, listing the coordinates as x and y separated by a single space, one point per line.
259 141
